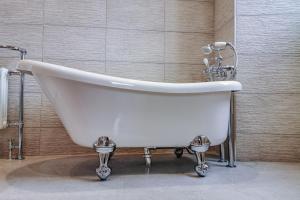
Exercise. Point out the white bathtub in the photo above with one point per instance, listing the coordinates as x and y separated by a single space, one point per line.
134 113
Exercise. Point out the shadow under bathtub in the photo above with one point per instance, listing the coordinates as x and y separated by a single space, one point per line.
75 173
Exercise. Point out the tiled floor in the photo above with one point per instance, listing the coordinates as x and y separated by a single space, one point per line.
73 177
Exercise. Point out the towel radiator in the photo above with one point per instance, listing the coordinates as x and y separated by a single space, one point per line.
20 123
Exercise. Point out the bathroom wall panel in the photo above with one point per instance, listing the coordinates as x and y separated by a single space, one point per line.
136 14
226 33
267 7
268 113
49 118
268 147
90 13
86 65
29 36
183 16
21 12
135 46
259 34
78 43
140 71
224 12
184 73
268 108
186 47
32 141
56 141
269 73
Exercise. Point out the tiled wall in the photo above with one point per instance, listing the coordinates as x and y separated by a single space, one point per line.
157 40
268 108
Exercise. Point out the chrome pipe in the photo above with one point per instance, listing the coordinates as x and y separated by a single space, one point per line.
222 153
22 51
231 135
21 118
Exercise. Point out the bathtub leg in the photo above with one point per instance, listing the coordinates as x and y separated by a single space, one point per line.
231 136
147 156
178 152
199 146
104 147
222 153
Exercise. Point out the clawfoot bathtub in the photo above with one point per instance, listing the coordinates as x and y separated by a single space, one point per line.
131 113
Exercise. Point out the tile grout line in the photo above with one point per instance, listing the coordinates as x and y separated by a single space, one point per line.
114 28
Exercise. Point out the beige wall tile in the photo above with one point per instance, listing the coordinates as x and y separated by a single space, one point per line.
135 46
76 13
224 12
26 36
78 43
189 16
32 141
21 12
140 71
184 73
268 147
267 7
268 113
186 47
86 65
49 117
136 14
226 34
271 73
10 63
55 141
268 34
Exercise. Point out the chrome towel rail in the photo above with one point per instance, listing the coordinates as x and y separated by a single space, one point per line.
20 123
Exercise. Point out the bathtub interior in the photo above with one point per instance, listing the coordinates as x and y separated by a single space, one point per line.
136 118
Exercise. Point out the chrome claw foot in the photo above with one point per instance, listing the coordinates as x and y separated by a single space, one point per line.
178 152
201 170
147 156
199 146
103 172
105 149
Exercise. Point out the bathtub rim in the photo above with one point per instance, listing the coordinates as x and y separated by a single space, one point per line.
37 67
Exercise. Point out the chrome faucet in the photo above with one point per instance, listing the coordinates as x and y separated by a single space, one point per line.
216 71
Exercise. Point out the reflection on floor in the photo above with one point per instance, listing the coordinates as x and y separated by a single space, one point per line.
73 177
